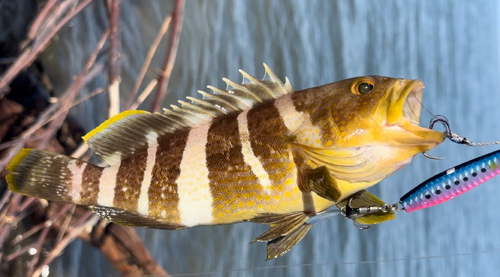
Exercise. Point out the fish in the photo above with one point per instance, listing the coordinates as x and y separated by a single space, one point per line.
255 152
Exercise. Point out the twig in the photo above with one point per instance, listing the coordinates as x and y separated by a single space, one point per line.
29 55
65 225
67 108
5 198
46 27
125 250
114 40
147 61
10 143
42 119
26 235
59 247
80 151
26 203
23 250
144 94
20 215
7 226
40 18
87 97
72 91
113 65
84 217
39 245
114 98
164 78
46 223
93 73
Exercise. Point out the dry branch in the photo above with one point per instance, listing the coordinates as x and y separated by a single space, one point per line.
147 61
55 223
68 97
164 78
29 55
113 58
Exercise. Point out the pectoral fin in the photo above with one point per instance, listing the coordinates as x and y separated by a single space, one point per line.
286 230
362 199
318 180
321 182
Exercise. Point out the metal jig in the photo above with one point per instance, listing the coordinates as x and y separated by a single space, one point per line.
438 189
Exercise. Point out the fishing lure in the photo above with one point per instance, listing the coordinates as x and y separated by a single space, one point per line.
452 182
433 191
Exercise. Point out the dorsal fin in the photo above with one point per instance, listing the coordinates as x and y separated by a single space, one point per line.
132 131
129 132
236 97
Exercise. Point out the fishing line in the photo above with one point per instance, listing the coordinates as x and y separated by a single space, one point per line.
334 263
454 137
423 106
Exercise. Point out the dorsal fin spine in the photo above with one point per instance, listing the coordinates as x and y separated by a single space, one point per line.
218 90
258 82
232 85
219 99
197 109
287 85
271 75
206 105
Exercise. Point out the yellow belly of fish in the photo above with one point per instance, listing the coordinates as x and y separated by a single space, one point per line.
286 201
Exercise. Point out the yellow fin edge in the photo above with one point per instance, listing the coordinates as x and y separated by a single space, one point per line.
375 218
110 121
11 168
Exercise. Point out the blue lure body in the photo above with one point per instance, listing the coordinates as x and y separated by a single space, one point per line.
452 182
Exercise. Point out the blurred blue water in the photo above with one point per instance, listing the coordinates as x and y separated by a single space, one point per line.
451 45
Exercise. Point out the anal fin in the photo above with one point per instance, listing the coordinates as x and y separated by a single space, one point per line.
281 224
286 230
280 246
129 218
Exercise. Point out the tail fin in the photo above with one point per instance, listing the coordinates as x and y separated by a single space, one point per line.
47 175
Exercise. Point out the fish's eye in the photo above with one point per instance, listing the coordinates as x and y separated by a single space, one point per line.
362 86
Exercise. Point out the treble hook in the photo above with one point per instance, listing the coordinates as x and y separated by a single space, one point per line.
352 213
443 120
456 138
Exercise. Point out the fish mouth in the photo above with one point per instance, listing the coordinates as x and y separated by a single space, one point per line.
412 105
404 112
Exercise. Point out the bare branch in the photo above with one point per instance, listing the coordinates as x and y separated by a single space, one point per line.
68 97
171 55
29 55
144 94
147 61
